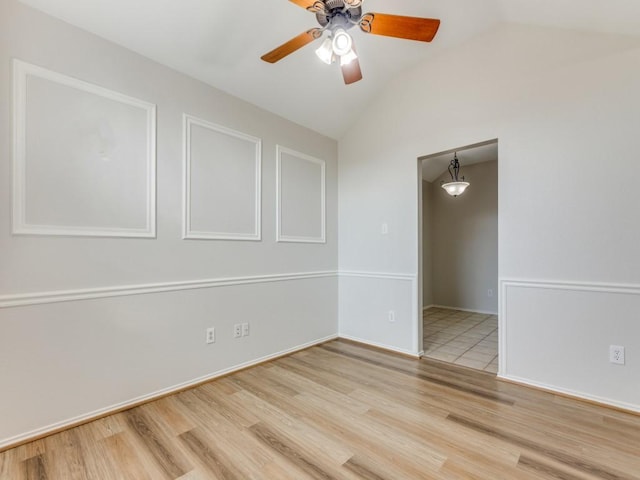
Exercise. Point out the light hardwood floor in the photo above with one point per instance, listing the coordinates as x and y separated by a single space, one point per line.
344 411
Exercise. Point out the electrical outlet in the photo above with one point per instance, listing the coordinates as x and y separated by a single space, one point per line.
392 316
490 292
211 335
245 329
616 354
384 229
237 330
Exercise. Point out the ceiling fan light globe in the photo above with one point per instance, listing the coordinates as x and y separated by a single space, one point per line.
325 51
348 57
342 42
455 188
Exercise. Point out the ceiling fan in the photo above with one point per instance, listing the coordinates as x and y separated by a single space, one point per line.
338 16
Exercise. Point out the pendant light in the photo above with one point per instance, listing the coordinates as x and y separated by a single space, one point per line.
455 187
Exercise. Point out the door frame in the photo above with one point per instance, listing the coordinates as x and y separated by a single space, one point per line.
419 342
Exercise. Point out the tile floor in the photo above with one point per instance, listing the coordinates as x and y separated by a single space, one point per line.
464 338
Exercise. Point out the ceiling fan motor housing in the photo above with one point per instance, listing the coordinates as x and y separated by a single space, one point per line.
339 14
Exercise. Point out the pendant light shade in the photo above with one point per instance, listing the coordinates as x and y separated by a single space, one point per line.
455 187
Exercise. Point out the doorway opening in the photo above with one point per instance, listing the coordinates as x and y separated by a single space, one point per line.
458 257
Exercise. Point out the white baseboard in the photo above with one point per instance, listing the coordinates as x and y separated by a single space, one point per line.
382 345
102 412
484 312
571 393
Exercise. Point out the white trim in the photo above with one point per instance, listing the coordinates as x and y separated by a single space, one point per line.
427 307
502 328
417 353
389 276
187 232
158 393
292 238
56 296
21 70
418 341
601 287
37 298
471 310
572 393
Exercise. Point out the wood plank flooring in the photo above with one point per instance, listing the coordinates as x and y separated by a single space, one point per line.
344 411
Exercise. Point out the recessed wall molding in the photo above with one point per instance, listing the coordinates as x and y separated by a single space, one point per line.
222 182
300 197
84 158
37 298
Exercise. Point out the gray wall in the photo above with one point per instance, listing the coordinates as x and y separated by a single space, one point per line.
91 323
563 104
464 241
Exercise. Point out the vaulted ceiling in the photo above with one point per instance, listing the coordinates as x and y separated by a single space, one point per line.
220 43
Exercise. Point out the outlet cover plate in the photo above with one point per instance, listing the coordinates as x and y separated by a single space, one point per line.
616 354
237 330
211 335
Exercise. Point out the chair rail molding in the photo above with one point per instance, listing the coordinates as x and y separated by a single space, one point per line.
36 298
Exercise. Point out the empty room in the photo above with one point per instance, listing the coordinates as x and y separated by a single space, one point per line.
214 261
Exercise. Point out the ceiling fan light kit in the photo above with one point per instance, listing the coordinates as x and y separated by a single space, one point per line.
348 57
342 42
336 17
325 51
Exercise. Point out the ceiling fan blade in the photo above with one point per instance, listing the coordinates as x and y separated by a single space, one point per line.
314 6
292 45
411 28
351 72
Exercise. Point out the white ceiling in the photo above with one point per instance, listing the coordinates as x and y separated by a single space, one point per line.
220 43
436 165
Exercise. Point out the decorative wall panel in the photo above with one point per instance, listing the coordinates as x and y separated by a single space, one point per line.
84 158
300 197
222 175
